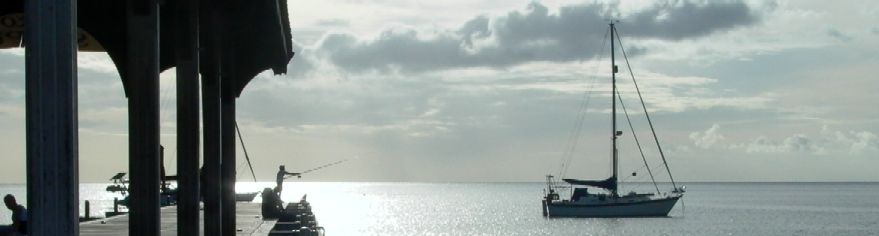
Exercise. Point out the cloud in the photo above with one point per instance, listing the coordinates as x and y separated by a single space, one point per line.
413 128
333 23
707 138
825 142
11 84
795 143
864 141
854 142
535 34
839 35
300 65
679 20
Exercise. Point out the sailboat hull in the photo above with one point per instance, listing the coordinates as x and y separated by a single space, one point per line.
641 208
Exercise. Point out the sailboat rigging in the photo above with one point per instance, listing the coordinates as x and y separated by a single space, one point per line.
244 148
581 202
248 196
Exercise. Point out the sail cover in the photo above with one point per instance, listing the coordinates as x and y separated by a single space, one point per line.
609 183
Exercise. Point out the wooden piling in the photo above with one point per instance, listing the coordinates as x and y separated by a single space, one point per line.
143 115
227 176
51 108
186 47
212 82
211 106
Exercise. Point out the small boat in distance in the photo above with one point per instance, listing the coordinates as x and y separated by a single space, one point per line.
245 197
606 201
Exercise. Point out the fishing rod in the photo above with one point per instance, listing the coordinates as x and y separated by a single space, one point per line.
252 173
324 166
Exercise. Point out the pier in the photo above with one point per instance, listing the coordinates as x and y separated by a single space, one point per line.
248 218
299 220
215 46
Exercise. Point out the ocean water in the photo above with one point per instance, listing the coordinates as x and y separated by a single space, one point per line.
514 209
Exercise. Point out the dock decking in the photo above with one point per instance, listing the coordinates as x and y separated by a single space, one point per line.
248 222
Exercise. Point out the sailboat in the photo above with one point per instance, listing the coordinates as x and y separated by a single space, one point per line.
606 200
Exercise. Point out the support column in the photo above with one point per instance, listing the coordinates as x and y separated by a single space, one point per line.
228 163
51 107
143 115
186 47
212 73
211 106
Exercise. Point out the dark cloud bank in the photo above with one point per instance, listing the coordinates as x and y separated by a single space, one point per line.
535 34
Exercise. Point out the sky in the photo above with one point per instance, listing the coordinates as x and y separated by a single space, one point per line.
491 90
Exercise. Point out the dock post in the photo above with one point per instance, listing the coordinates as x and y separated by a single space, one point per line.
51 117
187 117
212 83
545 214
212 154
87 212
211 106
228 163
142 72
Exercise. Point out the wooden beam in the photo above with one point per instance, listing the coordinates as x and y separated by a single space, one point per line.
52 123
212 153
212 84
230 85
212 108
186 47
228 163
143 116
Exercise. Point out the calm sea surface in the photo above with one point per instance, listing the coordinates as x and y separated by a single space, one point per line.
514 209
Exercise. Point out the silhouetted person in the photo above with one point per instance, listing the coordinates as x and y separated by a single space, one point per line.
283 174
19 217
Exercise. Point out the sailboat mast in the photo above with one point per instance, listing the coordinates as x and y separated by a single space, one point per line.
613 105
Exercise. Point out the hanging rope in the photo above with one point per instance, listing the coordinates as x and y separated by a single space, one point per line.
576 132
647 114
247 157
638 143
